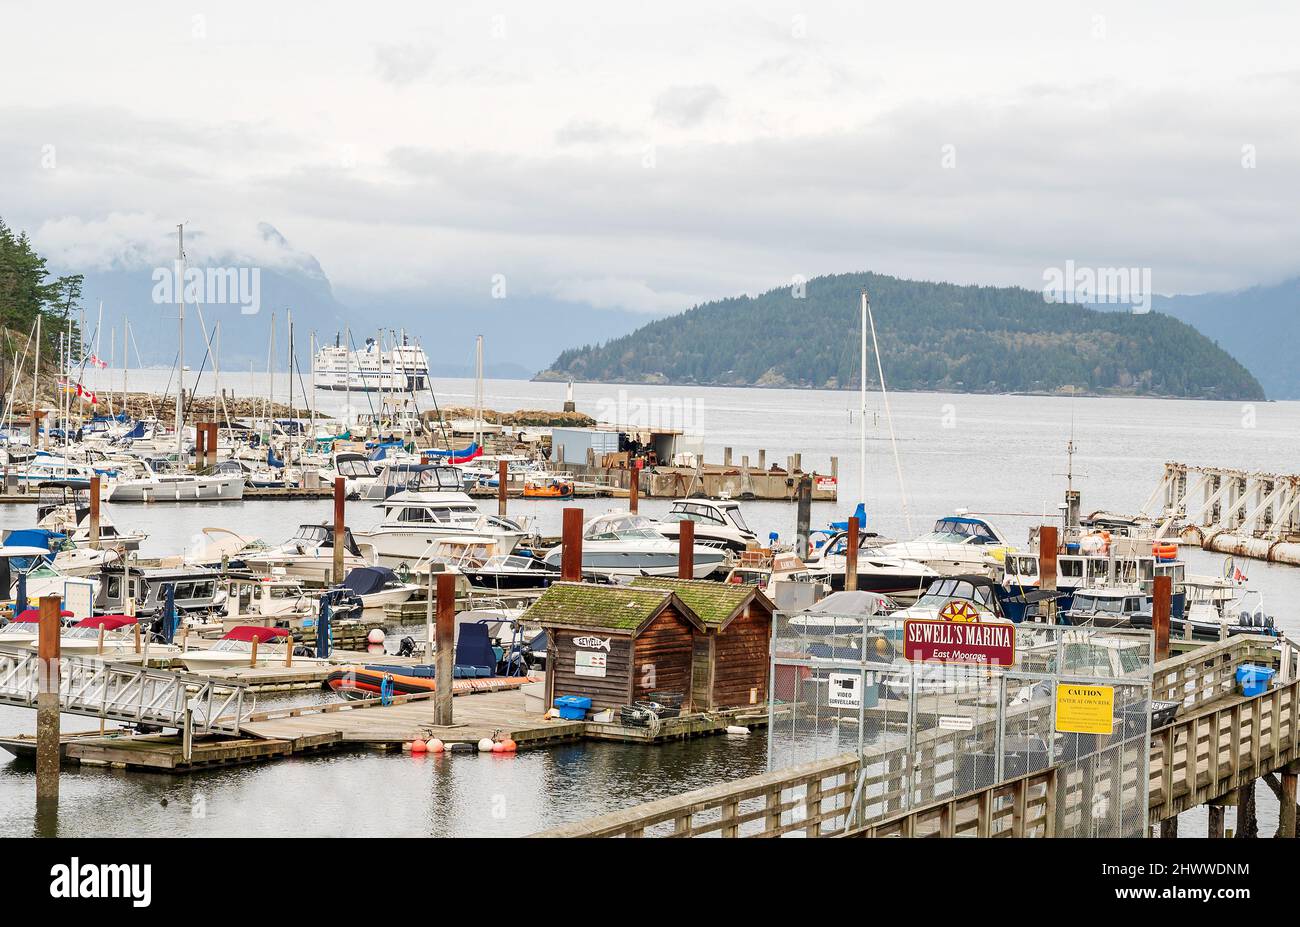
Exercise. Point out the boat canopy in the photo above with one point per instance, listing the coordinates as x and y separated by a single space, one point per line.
107 622
365 580
33 615
252 632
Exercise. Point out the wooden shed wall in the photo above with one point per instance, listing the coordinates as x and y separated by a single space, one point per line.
562 678
741 660
662 660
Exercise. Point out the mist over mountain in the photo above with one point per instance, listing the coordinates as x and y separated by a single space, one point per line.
1260 326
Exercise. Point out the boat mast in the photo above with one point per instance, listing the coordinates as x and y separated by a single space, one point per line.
862 411
36 371
180 349
478 391
126 356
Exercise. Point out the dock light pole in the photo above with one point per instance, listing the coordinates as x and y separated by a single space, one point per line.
686 549
340 498
851 557
571 546
94 512
445 632
47 708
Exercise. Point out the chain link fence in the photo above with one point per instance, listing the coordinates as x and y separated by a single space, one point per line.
1078 698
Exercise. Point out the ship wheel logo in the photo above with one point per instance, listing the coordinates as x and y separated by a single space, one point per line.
959 610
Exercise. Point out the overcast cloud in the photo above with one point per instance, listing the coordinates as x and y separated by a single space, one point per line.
648 158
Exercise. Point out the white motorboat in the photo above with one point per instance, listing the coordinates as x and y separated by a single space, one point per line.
718 524
235 650
109 636
308 555
901 579
957 544
149 485
415 520
625 544
378 586
74 521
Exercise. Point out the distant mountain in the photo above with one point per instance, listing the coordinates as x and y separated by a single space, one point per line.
1260 326
522 333
933 336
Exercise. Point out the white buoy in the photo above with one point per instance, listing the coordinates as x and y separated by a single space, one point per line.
485 745
737 730
376 636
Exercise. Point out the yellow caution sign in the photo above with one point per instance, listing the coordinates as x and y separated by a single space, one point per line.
1084 709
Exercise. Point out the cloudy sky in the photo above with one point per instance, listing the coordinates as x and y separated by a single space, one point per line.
648 158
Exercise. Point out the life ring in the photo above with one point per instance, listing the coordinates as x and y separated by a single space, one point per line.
1164 551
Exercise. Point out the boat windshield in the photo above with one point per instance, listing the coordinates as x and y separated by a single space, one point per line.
737 519
1084 602
943 590
960 531
616 527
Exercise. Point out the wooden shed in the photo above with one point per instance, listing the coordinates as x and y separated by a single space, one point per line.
732 660
616 644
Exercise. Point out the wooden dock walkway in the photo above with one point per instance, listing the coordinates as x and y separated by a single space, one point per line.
1219 743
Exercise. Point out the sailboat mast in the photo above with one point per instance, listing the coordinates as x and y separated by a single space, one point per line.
862 410
36 371
126 355
478 391
180 347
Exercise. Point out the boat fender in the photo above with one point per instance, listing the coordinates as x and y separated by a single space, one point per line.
460 748
509 746
435 745
737 730
485 745
376 636
419 746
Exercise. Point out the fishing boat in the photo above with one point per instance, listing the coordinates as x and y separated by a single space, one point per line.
628 545
555 486
719 524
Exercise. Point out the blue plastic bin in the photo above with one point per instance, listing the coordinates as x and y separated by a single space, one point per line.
1254 680
573 707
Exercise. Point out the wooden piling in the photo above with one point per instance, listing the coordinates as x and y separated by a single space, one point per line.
571 550
200 445
1216 817
686 549
851 556
1161 599
94 512
803 517
502 473
634 488
1247 825
1286 802
212 444
47 705
1047 545
445 642
252 659
340 500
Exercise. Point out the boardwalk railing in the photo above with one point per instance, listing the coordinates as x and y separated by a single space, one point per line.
809 799
1211 751
126 692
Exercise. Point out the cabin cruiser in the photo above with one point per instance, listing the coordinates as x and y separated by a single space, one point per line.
975 590
897 577
511 573
267 600
626 544
308 555
1106 606
148 484
196 591
416 519
1216 609
717 524
957 544
358 474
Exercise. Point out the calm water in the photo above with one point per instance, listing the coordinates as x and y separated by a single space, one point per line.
1000 455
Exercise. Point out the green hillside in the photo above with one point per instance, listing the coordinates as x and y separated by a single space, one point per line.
933 336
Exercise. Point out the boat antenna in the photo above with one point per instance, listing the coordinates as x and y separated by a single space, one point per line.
889 417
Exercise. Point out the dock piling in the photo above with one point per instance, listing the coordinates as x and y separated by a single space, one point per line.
340 500
47 707
1047 544
686 549
803 516
200 446
1161 599
94 512
502 473
571 551
1287 807
634 490
851 557
446 649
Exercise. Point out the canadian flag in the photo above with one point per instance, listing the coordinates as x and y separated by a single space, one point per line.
94 359
1238 575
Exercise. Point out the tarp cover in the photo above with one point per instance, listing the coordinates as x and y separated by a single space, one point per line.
365 580
251 632
107 622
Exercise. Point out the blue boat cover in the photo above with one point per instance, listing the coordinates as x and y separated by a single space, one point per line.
474 648
365 580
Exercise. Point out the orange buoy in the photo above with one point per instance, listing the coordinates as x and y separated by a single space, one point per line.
509 746
419 746
497 748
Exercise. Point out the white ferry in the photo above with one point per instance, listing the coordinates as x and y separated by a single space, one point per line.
403 368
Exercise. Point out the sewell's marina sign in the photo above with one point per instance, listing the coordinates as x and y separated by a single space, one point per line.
972 643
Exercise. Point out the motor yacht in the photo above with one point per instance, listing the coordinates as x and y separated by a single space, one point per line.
626 545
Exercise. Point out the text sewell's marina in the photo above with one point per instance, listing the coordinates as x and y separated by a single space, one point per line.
678 615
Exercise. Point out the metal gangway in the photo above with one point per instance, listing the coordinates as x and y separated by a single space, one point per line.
127 692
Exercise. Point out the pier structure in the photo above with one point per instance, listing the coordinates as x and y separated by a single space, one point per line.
1239 512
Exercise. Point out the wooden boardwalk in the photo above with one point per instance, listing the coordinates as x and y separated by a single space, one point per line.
1219 743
